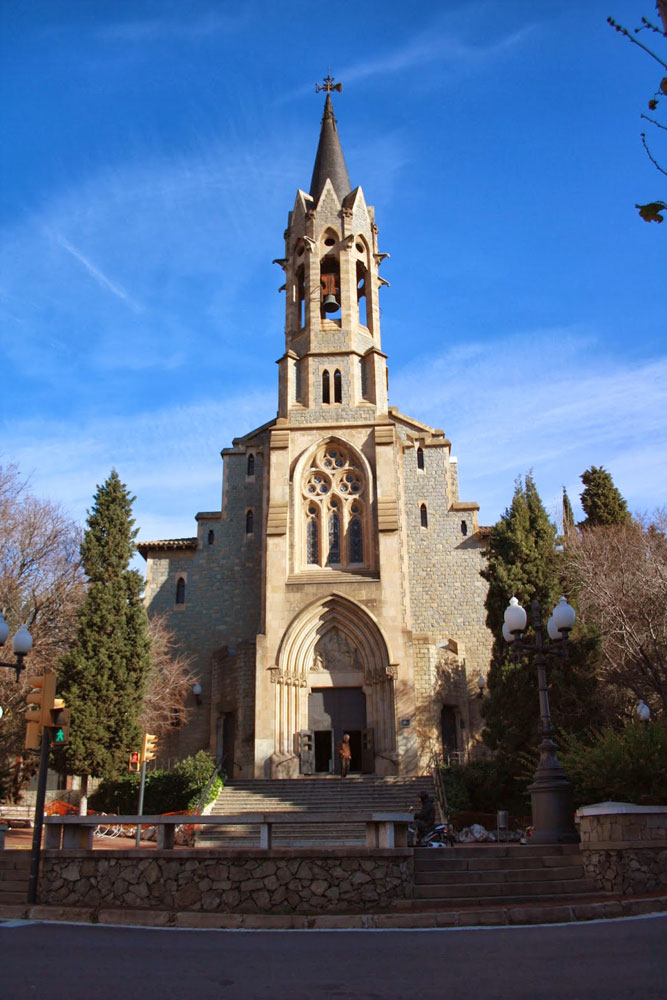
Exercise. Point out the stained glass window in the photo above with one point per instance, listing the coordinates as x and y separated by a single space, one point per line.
334 538
312 541
356 541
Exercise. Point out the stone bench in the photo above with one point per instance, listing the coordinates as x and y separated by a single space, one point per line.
383 829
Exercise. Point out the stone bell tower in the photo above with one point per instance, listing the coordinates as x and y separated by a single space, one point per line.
332 316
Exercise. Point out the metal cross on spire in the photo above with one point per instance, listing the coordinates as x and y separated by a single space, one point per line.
328 85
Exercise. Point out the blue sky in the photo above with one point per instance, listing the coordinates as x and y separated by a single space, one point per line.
153 149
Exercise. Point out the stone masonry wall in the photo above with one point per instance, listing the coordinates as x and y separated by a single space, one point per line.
222 597
297 881
626 852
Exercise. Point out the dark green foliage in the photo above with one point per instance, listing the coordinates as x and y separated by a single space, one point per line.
523 560
627 766
568 514
488 784
602 502
103 677
165 791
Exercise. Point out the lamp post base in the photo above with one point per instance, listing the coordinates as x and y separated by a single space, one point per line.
551 801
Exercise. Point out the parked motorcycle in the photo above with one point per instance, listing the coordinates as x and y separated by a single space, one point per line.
442 835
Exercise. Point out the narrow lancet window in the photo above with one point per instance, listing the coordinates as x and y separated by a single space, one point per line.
251 465
334 538
211 537
249 522
312 538
356 541
326 392
338 387
420 458
423 516
180 590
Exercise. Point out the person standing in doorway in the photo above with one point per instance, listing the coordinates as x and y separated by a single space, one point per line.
345 754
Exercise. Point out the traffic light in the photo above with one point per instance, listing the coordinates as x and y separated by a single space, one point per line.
149 748
40 704
59 723
135 762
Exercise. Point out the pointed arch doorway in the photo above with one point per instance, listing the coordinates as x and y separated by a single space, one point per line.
334 676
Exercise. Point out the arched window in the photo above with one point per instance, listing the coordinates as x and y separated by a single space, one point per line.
211 536
464 527
250 471
338 387
313 536
326 393
301 295
180 590
334 509
361 293
420 458
249 519
423 516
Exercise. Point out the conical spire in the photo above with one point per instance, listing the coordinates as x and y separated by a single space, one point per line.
329 161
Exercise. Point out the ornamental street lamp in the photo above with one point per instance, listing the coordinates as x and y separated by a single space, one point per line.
553 821
21 645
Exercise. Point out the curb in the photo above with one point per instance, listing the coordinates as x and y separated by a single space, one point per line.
511 916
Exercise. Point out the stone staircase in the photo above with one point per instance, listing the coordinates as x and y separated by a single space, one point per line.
304 796
14 873
498 875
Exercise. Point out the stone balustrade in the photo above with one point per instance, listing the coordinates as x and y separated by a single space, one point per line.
624 846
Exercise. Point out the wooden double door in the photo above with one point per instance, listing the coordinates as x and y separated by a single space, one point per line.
331 713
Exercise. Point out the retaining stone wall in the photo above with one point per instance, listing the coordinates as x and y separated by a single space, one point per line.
298 881
625 852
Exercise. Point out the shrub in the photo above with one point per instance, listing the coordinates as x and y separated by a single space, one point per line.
627 766
487 785
165 791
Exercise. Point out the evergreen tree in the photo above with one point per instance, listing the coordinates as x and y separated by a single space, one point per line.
602 502
102 678
523 561
568 515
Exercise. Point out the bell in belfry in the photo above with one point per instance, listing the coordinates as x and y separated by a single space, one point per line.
330 303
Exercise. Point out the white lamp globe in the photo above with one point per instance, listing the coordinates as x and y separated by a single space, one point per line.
507 635
552 629
22 641
4 629
564 616
515 616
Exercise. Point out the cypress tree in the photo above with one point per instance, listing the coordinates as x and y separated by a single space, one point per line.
523 561
102 678
602 502
568 515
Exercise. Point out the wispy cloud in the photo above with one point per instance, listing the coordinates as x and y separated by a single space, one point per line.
440 45
148 29
96 273
557 409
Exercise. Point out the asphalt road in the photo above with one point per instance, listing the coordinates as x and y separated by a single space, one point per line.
609 960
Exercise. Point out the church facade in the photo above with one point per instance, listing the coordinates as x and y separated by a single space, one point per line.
338 588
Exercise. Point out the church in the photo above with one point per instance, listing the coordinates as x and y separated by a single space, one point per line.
338 588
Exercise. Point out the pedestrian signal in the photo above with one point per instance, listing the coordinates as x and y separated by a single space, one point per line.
135 762
60 719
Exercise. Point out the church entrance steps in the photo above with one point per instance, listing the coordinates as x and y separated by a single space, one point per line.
306 796
501 874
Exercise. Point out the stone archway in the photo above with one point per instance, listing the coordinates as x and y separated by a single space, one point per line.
335 643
